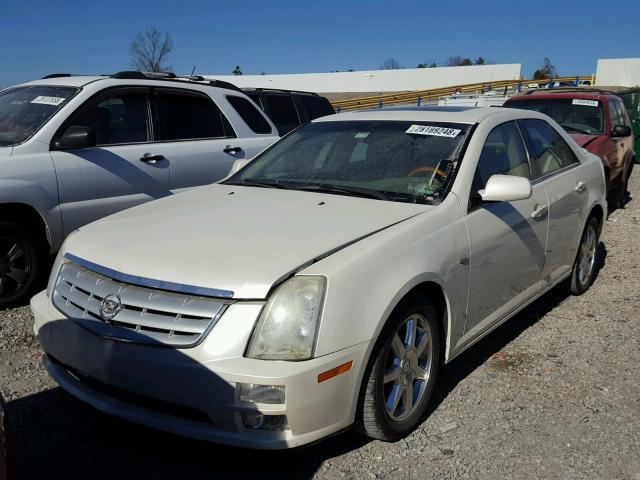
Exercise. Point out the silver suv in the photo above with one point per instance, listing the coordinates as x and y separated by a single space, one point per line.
74 149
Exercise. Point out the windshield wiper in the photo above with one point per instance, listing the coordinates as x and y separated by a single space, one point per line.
342 190
575 129
262 182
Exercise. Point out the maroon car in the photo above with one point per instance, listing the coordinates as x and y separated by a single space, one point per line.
598 122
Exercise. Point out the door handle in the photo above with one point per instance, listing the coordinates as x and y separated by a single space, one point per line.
580 187
232 150
148 158
539 212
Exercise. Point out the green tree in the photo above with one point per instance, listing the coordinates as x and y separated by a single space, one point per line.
546 70
237 71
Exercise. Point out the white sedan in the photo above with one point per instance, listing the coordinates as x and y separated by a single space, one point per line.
324 284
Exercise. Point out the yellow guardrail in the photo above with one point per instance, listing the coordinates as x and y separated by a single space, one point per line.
418 96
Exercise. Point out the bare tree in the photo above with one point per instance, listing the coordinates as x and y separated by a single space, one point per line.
390 64
149 51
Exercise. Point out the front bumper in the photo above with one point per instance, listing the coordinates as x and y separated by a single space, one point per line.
193 392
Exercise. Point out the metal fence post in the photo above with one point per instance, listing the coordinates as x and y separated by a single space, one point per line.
380 104
419 100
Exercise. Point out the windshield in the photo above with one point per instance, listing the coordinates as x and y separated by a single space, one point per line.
389 160
23 110
575 115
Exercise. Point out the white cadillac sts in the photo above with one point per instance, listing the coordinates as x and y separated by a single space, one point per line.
323 284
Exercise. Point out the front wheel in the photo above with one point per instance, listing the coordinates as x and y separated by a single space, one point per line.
584 266
401 373
19 264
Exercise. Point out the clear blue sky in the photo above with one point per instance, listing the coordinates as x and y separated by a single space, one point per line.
39 37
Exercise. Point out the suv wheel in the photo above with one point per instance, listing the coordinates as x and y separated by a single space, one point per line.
19 263
584 265
401 373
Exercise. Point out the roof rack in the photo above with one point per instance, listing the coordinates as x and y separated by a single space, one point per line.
57 75
170 76
569 90
254 89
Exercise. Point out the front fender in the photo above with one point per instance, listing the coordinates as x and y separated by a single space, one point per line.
42 200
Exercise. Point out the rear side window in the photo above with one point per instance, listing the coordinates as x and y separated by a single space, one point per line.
282 112
119 118
189 116
547 149
249 114
503 153
316 106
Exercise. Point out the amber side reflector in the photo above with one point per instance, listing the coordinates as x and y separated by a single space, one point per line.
334 372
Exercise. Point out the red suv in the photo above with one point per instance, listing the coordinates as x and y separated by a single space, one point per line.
598 122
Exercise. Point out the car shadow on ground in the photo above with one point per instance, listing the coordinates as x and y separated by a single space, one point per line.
53 435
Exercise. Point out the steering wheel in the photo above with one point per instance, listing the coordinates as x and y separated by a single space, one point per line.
439 172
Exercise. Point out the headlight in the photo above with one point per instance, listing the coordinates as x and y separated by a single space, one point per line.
287 327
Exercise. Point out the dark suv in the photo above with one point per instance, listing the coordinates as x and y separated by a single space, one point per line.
289 109
597 120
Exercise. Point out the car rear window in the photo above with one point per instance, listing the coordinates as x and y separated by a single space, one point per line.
316 106
249 114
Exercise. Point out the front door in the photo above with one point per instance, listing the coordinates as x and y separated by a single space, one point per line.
507 239
121 171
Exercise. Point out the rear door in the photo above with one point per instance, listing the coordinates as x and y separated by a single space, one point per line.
507 239
194 136
116 173
556 167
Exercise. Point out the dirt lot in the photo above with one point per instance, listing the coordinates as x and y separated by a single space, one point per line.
554 393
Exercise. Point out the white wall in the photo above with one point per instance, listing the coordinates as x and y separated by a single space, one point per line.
623 72
378 80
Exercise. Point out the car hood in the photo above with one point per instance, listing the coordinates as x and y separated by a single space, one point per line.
232 238
583 139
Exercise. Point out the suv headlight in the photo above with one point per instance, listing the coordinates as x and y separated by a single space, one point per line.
288 324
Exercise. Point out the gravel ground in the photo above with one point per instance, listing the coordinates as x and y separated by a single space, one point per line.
554 393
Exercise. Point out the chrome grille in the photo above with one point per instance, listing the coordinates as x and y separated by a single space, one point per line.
147 315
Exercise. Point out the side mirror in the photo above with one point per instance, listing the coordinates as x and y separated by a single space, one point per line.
621 131
237 165
76 137
506 188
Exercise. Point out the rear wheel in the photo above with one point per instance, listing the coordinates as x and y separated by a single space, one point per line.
401 373
19 264
584 265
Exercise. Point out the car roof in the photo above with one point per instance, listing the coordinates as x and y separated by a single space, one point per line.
66 81
437 114
587 95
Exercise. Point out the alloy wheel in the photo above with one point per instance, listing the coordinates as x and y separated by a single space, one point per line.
408 367
15 266
587 254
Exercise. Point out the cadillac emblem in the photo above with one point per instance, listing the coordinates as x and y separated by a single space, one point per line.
110 306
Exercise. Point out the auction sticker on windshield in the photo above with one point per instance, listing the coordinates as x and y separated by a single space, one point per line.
431 130
588 103
44 100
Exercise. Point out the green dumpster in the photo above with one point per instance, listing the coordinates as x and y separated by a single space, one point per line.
631 99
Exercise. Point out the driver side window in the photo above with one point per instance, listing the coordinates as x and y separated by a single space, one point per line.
120 118
503 153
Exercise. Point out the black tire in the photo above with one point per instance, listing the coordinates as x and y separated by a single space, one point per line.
618 194
373 418
20 264
578 282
